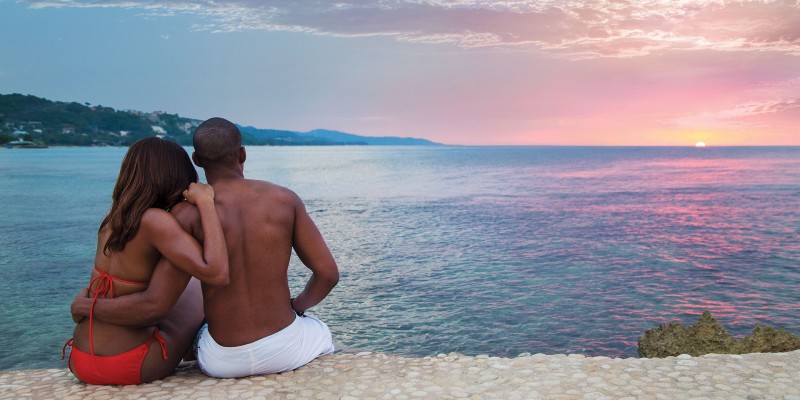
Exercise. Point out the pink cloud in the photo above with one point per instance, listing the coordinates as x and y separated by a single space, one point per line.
600 28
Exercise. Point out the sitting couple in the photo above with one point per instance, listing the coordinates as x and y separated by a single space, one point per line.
142 309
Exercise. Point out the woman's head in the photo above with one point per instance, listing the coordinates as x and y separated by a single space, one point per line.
154 174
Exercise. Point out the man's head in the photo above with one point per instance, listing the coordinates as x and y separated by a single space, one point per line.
217 142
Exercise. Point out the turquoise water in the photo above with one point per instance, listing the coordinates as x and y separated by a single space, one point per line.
472 249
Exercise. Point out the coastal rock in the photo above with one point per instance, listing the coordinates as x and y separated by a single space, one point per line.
769 340
708 336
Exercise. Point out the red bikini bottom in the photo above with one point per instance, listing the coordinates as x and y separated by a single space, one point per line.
120 369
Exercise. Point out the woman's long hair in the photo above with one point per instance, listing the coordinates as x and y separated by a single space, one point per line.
154 174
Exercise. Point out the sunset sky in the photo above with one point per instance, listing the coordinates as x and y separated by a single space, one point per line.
605 72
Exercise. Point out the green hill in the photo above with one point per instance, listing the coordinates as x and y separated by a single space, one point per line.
59 123
74 124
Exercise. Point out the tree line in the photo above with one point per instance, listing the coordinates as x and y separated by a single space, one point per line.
71 123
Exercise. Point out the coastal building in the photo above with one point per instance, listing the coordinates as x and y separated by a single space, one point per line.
187 127
158 130
24 144
68 129
155 116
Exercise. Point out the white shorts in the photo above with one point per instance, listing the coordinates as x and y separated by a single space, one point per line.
290 348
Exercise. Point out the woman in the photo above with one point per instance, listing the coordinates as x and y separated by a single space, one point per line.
136 233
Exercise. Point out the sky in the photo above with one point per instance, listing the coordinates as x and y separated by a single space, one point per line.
471 72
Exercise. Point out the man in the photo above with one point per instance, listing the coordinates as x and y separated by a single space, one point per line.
254 326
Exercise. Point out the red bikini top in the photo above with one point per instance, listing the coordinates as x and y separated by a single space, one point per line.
105 285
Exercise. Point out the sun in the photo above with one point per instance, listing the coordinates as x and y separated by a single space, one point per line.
700 144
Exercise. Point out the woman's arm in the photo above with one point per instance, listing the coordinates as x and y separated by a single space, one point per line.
208 263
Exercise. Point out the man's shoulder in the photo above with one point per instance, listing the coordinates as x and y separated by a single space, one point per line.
185 213
184 208
271 190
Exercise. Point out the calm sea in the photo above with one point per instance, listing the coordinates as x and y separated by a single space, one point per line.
479 250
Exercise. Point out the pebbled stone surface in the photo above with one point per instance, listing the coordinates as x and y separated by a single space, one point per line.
453 376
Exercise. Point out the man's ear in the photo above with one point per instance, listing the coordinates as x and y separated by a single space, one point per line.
242 155
196 160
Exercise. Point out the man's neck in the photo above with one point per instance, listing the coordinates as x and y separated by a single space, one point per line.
218 174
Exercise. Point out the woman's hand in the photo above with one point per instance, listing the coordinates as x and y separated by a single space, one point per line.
198 192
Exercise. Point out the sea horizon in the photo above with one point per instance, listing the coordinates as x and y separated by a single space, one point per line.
707 147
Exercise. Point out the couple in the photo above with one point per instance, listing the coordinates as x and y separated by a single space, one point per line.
142 309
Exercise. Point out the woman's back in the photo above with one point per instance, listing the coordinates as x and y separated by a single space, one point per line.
118 274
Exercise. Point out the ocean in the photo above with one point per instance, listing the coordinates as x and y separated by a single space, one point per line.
477 250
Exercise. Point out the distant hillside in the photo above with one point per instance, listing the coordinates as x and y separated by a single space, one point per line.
325 137
273 137
60 123
342 137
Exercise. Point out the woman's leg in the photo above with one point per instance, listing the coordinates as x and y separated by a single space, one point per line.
178 329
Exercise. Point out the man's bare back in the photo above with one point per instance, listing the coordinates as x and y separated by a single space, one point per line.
262 222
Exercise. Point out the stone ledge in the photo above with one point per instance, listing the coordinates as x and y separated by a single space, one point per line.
377 376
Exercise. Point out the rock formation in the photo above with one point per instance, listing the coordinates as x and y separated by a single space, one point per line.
708 336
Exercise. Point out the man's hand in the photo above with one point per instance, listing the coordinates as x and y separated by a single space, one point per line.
78 308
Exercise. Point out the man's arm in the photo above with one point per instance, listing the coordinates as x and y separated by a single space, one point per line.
143 308
314 253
